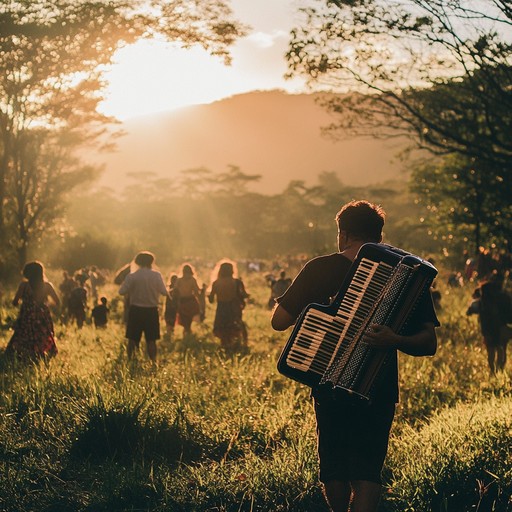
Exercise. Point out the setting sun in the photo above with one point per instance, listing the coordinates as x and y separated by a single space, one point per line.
153 76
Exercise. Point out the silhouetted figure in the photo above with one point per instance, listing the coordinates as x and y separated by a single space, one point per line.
494 310
171 306
188 296
99 314
65 288
143 287
470 268
119 279
202 303
278 287
95 280
484 264
455 280
77 302
231 295
34 335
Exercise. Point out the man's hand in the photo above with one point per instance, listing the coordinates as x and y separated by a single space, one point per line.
423 343
381 336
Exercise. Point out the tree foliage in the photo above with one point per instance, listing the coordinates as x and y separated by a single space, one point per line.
459 195
43 173
437 72
52 56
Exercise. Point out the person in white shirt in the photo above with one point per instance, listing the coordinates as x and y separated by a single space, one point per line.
143 288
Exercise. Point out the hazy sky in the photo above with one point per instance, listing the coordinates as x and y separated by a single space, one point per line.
152 77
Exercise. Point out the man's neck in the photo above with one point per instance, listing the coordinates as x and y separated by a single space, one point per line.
352 248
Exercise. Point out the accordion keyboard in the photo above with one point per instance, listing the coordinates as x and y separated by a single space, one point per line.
322 335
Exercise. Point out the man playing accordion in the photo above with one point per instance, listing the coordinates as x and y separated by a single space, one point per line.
353 436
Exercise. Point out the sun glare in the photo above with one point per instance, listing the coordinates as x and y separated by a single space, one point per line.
153 76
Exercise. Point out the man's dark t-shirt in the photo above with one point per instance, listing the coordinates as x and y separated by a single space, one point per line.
320 281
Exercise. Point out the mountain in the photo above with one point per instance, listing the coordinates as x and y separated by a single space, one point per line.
271 133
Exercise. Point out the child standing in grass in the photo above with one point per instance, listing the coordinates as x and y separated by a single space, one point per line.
100 314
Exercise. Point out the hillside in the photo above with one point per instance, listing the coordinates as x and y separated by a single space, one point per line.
274 134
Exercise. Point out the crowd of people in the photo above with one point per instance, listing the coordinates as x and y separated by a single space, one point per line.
76 302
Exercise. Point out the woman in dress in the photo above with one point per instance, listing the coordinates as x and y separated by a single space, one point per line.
33 332
187 291
230 292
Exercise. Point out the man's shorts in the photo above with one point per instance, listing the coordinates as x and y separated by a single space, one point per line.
352 439
142 320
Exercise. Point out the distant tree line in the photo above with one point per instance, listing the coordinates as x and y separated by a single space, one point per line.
207 215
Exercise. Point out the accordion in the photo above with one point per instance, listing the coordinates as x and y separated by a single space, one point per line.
326 348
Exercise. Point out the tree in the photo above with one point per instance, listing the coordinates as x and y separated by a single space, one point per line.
434 71
43 173
459 194
196 183
234 181
52 56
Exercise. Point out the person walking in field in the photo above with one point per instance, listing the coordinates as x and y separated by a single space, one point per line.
77 301
202 303
353 437
171 306
231 295
119 277
144 288
188 298
494 309
34 335
95 279
65 288
278 287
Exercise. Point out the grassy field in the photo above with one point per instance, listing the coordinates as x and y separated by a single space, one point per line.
208 431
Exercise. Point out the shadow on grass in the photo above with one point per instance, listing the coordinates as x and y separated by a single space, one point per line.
125 433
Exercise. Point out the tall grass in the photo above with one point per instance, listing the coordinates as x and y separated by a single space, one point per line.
209 431
458 460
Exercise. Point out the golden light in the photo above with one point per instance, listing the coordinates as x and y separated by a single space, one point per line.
152 76
156 76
